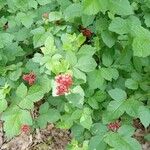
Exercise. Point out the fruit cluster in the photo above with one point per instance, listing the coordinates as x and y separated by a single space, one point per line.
86 32
114 126
25 128
63 83
30 78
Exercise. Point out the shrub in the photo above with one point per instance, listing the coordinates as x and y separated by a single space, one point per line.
87 62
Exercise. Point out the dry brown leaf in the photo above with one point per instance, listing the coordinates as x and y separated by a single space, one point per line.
21 142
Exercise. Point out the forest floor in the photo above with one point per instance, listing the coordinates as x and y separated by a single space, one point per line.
52 138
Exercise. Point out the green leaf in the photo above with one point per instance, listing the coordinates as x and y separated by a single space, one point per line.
12 51
21 90
107 59
76 97
66 122
43 2
25 19
144 115
94 6
86 64
4 91
49 115
64 4
97 143
87 20
86 121
120 7
34 94
131 84
71 58
80 40
3 105
72 42
147 137
126 130
133 22
115 73
109 73
78 132
115 109
55 16
87 50
93 103
106 74
45 84
132 107
124 143
73 10
108 38
15 75
98 129
147 19
33 4
76 114
44 108
58 65
6 39
38 30
79 74
119 26
118 94
22 34
100 96
141 45
39 39
101 24
95 79
50 47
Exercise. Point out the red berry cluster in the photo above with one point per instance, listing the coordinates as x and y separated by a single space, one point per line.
63 82
114 126
45 15
30 78
25 128
86 32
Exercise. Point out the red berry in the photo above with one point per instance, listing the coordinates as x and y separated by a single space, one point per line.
31 81
63 82
64 79
25 77
114 126
30 78
58 78
46 15
61 90
86 32
25 128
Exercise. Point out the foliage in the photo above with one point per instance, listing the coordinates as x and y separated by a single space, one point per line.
103 44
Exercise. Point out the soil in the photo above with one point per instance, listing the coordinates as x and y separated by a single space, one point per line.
140 133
